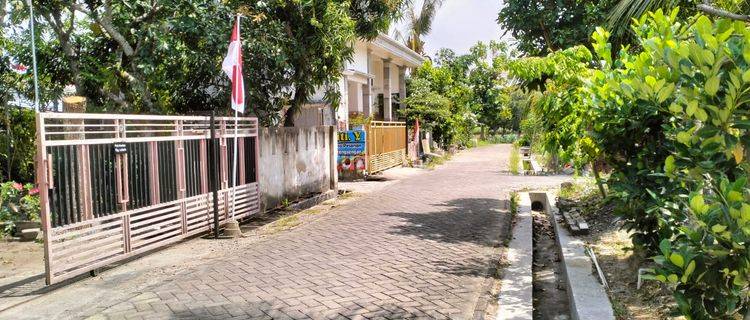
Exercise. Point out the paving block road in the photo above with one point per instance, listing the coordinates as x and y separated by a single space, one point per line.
424 247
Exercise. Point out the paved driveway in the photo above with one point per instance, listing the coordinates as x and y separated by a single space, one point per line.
422 247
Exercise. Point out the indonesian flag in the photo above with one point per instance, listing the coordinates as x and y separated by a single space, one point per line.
232 66
19 68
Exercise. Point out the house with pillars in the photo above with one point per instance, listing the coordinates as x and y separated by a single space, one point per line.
374 82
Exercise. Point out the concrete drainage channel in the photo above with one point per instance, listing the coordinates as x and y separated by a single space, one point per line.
558 280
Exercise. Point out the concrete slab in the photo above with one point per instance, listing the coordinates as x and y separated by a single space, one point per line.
516 288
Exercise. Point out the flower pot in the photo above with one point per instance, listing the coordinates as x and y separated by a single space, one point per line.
27 230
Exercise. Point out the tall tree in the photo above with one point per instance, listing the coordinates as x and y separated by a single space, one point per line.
542 26
418 17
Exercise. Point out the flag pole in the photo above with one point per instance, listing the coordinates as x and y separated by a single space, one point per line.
234 154
33 55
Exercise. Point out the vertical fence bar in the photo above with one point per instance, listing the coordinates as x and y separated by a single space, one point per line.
84 186
213 174
181 185
153 162
224 167
241 164
204 166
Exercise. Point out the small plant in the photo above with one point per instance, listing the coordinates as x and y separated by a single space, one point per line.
514 162
18 203
513 203
359 119
285 203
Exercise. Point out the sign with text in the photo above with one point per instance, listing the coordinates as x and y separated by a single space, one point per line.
121 148
352 154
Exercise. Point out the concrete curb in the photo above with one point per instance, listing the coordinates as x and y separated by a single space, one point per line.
515 300
313 201
588 300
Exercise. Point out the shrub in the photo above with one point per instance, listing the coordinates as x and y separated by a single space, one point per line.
673 123
17 144
18 203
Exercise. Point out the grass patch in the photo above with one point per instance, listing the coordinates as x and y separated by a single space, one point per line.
513 200
284 223
347 195
437 161
514 162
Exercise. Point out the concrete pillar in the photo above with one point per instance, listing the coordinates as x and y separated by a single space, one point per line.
387 99
358 97
401 88
367 94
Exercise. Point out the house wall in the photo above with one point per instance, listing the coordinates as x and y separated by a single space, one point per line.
296 162
359 59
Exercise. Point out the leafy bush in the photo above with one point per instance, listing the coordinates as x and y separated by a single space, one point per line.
18 203
502 138
17 146
672 121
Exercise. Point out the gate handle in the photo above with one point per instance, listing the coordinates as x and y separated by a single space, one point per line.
50 177
125 178
121 178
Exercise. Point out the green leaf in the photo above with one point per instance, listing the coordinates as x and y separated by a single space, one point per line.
672 278
697 204
669 166
689 269
692 107
677 259
666 247
746 76
717 228
712 85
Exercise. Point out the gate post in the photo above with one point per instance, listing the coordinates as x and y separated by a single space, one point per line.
43 172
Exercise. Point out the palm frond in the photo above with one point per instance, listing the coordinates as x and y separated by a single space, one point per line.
626 10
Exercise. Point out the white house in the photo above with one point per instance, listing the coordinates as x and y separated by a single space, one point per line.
371 85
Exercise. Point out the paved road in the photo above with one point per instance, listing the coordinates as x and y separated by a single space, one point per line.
420 248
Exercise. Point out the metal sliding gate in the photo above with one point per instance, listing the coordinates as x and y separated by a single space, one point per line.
114 186
386 145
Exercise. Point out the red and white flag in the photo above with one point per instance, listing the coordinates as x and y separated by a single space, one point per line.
232 66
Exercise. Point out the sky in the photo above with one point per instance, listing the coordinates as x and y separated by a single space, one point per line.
459 24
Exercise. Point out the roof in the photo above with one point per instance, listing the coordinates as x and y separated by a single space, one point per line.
397 50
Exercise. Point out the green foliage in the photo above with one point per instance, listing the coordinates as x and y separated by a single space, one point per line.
458 93
514 160
147 56
18 203
513 203
502 138
680 106
543 26
441 105
671 120
17 148
558 119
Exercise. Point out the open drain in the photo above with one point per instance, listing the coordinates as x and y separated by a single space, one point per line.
549 288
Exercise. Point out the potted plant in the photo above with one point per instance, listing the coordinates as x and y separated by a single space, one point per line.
19 210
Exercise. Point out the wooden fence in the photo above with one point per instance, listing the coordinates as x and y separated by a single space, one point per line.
386 145
114 186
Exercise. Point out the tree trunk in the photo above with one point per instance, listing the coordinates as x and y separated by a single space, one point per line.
598 179
299 98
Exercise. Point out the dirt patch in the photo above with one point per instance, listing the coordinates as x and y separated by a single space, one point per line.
550 293
20 258
620 264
